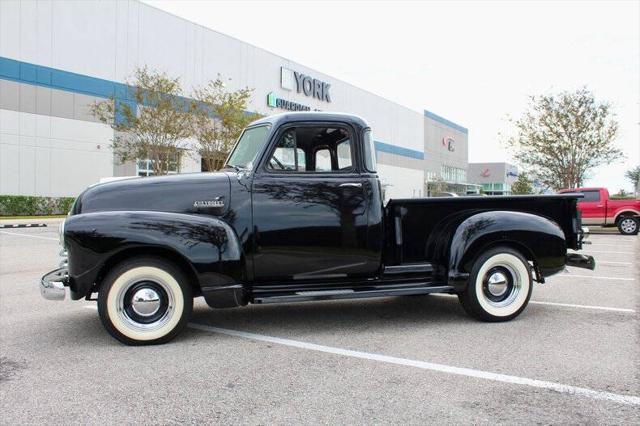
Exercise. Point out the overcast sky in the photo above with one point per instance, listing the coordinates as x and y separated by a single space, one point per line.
471 62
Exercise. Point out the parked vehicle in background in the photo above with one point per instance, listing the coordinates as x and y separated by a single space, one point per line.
599 209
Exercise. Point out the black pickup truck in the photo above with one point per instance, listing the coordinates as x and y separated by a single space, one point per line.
297 214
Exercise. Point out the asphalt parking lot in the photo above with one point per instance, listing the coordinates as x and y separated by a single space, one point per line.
572 357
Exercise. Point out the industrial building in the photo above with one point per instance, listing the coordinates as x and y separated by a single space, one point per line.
58 57
494 178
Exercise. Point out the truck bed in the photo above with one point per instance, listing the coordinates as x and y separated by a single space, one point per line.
411 222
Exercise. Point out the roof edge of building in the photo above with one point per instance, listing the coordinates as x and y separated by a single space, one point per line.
446 122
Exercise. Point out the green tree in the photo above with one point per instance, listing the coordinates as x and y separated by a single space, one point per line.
634 176
219 118
522 185
155 125
437 186
622 194
560 138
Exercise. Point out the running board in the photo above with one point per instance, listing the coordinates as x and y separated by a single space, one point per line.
304 296
409 268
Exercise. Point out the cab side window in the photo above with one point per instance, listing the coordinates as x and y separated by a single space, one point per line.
312 149
590 196
287 156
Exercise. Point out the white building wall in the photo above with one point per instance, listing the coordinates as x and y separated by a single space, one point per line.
398 182
51 156
110 39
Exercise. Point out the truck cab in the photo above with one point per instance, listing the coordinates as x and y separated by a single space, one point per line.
319 211
297 214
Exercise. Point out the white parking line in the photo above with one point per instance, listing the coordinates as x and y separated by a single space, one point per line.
607 239
598 277
441 368
557 387
564 305
28 236
611 245
571 305
605 252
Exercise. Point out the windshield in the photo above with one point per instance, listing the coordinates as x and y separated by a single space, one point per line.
247 147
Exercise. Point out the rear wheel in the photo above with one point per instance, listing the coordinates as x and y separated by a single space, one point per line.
628 225
145 301
500 286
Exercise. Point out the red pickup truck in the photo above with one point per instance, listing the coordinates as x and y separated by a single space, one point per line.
599 210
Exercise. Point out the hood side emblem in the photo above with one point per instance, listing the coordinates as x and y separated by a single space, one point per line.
216 202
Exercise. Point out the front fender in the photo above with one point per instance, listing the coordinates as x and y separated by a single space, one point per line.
539 239
208 245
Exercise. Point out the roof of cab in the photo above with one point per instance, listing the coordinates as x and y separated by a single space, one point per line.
287 117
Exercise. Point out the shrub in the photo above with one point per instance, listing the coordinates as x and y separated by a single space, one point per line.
25 205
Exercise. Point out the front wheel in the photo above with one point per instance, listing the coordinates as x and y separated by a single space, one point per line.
500 286
628 226
145 301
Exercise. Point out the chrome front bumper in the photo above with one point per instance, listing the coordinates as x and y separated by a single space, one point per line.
52 285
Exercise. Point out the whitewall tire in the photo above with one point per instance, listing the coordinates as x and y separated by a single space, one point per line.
145 301
500 285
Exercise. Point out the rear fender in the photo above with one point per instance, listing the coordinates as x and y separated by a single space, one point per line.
208 245
539 239
623 212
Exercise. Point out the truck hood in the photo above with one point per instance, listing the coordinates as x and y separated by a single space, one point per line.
205 193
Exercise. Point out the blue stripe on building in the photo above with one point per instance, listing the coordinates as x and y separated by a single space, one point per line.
446 122
38 75
398 150
24 72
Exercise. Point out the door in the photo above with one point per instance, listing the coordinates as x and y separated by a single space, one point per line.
310 208
592 207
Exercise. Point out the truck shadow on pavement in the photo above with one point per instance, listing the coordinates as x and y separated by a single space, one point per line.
336 316
322 317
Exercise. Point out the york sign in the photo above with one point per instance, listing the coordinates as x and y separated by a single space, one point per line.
305 84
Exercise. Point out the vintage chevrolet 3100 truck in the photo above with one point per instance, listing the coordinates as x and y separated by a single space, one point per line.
297 214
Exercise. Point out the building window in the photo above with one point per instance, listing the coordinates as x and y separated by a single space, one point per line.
145 167
453 174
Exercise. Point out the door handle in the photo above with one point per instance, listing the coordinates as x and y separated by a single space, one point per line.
600 205
351 185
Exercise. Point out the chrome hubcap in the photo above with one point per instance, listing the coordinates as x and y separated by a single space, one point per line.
497 283
501 285
628 225
145 302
